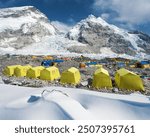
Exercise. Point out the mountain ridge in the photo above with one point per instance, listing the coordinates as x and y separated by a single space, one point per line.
23 26
95 31
28 29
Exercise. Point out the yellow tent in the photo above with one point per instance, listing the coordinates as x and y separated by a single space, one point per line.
34 72
128 80
50 73
21 71
101 79
9 70
48 57
71 76
146 66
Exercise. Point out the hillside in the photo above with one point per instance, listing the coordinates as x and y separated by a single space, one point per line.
22 103
23 26
26 30
103 37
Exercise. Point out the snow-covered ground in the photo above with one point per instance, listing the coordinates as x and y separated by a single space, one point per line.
68 103
49 46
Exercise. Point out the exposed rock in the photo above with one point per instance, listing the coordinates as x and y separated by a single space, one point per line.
97 34
26 25
115 90
1 81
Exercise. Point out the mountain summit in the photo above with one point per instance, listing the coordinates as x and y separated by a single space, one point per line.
22 26
26 30
101 36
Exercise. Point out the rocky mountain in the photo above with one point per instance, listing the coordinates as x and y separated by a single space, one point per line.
103 37
25 30
22 26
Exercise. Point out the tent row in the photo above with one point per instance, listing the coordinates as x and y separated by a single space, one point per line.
41 72
124 79
71 76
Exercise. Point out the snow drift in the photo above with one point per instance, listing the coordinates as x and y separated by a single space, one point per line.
70 104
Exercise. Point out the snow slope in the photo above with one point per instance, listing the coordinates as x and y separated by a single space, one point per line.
28 31
75 31
68 103
23 26
54 45
14 18
92 24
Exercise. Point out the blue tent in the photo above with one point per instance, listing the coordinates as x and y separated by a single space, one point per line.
144 62
48 63
91 63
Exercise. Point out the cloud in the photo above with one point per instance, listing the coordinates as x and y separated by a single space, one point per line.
61 26
130 11
105 16
71 21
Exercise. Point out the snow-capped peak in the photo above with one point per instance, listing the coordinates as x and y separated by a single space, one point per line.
27 26
17 17
75 31
17 8
90 18
14 10
124 33
98 20
96 31
22 26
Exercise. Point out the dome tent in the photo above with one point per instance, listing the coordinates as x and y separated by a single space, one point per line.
128 80
71 76
101 79
50 73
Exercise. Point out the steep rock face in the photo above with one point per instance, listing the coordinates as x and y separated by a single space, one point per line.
98 34
22 26
143 41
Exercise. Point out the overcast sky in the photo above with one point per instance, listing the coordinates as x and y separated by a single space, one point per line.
129 14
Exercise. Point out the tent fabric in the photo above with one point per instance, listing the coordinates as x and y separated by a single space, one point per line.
144 62
146 66
101 79
128 80
9 70
51 73
21 71
34 72
70 76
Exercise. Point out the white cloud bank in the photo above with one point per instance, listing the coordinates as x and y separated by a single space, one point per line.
130 11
